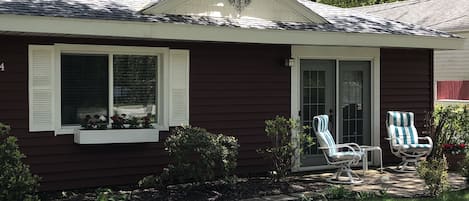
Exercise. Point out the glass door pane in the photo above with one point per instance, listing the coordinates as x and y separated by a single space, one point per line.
317 98
354 102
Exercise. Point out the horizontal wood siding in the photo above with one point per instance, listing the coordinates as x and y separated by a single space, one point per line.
453 64
406 85
233 89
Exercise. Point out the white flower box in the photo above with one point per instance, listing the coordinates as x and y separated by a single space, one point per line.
115 136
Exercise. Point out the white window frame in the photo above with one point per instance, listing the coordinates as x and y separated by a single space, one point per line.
162 70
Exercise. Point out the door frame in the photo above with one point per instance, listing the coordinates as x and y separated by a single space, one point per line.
336 53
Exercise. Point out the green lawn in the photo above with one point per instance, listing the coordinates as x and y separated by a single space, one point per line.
451 196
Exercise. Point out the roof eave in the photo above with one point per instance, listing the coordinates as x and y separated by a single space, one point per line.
186 32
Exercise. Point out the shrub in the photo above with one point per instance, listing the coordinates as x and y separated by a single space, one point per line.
283 147
16 181
465 167
452 127
196 155
433 172
109 195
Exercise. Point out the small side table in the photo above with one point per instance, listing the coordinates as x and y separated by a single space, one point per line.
367 149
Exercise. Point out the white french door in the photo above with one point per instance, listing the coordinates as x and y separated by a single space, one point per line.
342 90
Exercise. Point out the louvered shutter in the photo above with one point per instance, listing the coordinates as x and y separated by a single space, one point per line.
179 88
41 88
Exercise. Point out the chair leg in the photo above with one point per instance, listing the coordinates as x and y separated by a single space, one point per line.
407 165
352 178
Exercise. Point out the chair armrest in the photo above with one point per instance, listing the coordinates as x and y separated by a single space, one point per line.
430 141
339 146
354 145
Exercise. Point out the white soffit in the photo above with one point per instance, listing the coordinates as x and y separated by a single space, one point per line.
274 10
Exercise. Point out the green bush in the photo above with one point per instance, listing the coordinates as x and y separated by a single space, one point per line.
282 150
16 181
196 155
464 165
450 122
434 173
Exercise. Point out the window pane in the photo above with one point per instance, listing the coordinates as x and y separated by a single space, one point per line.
135 86
84 87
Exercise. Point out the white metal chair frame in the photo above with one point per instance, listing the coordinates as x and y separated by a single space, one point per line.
344 165
409 158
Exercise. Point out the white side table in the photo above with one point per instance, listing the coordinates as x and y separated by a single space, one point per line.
365 149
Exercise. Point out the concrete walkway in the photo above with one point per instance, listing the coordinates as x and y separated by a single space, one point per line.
396 184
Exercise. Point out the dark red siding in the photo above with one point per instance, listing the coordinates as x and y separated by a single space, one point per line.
233 89
406 85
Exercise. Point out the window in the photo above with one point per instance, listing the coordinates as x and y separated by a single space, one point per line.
68 82
453 90
135 86
85 89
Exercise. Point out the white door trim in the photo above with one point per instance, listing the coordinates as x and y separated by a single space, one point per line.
337 53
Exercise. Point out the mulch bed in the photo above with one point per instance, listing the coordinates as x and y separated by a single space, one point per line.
218 190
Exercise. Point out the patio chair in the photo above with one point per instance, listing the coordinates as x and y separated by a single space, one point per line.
404 140
340 155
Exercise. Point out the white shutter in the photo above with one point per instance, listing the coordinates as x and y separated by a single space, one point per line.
41 88
179 87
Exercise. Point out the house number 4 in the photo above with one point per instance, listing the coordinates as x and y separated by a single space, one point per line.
2 67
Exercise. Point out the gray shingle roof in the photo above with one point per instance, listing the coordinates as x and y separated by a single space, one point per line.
447 15
341 20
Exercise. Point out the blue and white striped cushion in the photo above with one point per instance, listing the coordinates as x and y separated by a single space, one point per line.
401 128
325 139
416 146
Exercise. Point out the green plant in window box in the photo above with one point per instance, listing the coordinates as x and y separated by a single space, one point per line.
96 122
134 123
118 121
146 121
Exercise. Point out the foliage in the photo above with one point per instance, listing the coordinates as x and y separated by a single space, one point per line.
465 167
353 3
434 173
283 147
96 122
16 180
196 155
447 125
339 192
109 195
455 149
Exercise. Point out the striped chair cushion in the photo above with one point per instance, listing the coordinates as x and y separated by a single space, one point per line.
325 139
416 146
401 128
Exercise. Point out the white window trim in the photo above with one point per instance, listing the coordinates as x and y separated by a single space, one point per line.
337 53
163 72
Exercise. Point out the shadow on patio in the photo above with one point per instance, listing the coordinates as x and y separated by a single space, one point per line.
397 184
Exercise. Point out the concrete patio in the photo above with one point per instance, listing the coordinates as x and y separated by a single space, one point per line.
396 184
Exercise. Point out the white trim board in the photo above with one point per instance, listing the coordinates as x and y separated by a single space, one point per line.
167 31
338 53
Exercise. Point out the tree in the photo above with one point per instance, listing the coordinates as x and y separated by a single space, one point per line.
353 3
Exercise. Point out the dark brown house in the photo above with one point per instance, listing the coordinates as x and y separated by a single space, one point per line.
222 66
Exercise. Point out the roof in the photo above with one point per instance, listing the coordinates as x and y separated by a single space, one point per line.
340 20
447 15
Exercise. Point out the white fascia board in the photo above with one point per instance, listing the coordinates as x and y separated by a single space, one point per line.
171 31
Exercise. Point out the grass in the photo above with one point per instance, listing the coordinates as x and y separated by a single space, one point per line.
450 196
